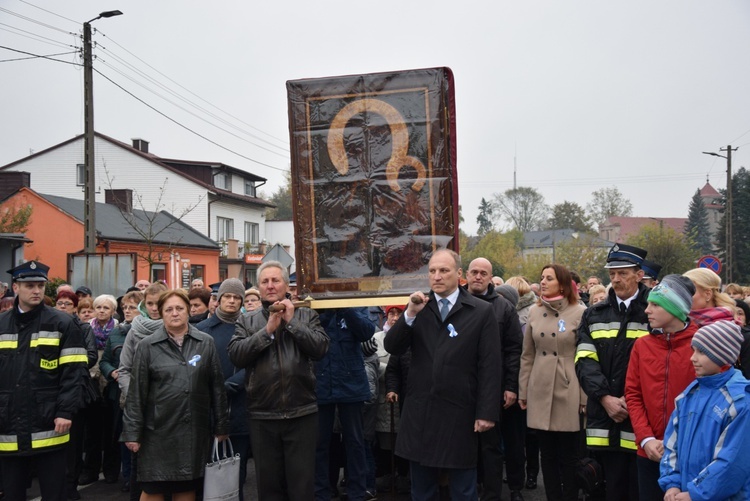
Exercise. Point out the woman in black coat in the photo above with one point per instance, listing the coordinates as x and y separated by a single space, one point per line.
177 390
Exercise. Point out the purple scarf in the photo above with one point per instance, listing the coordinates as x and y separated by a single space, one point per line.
102 333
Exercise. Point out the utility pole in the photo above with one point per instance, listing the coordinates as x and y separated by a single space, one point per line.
728 215
89 199
728 210
89 211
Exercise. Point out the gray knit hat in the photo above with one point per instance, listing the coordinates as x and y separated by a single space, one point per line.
233 286
720 341
508 292
674 294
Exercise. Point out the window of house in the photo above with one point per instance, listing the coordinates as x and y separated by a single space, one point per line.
224 229
251 276
158 272
80 175
223 180
250 188
198 271
252 233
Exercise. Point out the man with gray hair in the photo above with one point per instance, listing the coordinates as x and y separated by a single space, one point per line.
277 345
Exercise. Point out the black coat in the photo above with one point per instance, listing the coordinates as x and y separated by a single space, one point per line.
42 377
605 340
511 337
173 399
453 381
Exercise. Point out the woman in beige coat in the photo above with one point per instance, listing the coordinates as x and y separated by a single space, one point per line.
548 386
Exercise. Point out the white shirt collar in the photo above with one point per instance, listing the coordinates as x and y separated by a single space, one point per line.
626 301
452 298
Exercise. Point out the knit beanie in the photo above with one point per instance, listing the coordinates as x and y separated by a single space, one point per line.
233 286
675 294
508 292
719 341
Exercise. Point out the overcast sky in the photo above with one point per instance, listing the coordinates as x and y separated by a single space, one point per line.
584 94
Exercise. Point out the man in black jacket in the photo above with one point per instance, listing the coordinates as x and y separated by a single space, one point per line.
42 372
606 337
277 350
511 429
454 380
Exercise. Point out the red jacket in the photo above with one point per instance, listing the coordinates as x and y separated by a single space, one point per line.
658 371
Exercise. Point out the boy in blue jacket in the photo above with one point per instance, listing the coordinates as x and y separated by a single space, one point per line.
707 439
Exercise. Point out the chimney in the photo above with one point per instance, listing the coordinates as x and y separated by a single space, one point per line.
140 145
11 182
122 199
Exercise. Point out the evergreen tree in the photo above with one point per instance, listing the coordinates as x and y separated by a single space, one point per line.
484 218
697 227
283 200
740 228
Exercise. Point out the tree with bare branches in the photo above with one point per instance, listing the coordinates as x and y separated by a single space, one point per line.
150 224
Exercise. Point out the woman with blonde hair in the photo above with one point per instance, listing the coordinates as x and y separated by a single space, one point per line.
526 298
735 291
709 304
597 293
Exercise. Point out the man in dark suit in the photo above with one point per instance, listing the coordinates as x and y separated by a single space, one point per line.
454 382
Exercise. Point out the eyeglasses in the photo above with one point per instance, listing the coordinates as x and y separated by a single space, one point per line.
65 303
128 307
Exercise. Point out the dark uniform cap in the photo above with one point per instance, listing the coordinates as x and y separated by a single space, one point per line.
650 269
84 290
30 271
625 256
215 288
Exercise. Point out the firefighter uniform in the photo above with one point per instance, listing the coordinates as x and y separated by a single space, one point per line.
42 375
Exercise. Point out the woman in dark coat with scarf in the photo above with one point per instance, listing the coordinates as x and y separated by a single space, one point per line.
177 390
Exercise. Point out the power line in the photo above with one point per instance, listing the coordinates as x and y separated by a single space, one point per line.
186 127
184 109
187 101
39 55
32 20
48 56
50 12
44 39
736 138
592 181
191 92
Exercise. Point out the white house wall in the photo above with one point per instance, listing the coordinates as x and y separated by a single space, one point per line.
239 215
54 173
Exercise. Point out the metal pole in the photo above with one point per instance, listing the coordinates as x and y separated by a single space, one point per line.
90 178
729 215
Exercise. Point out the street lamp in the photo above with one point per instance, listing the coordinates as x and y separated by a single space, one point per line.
89 203
729 256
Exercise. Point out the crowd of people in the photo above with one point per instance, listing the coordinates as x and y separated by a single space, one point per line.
636 390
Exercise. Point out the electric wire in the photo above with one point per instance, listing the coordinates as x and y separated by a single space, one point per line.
591 181
143 86
40 38
32 20
191 92
50 12
35 56
132 68
186 127
39 55
736 138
